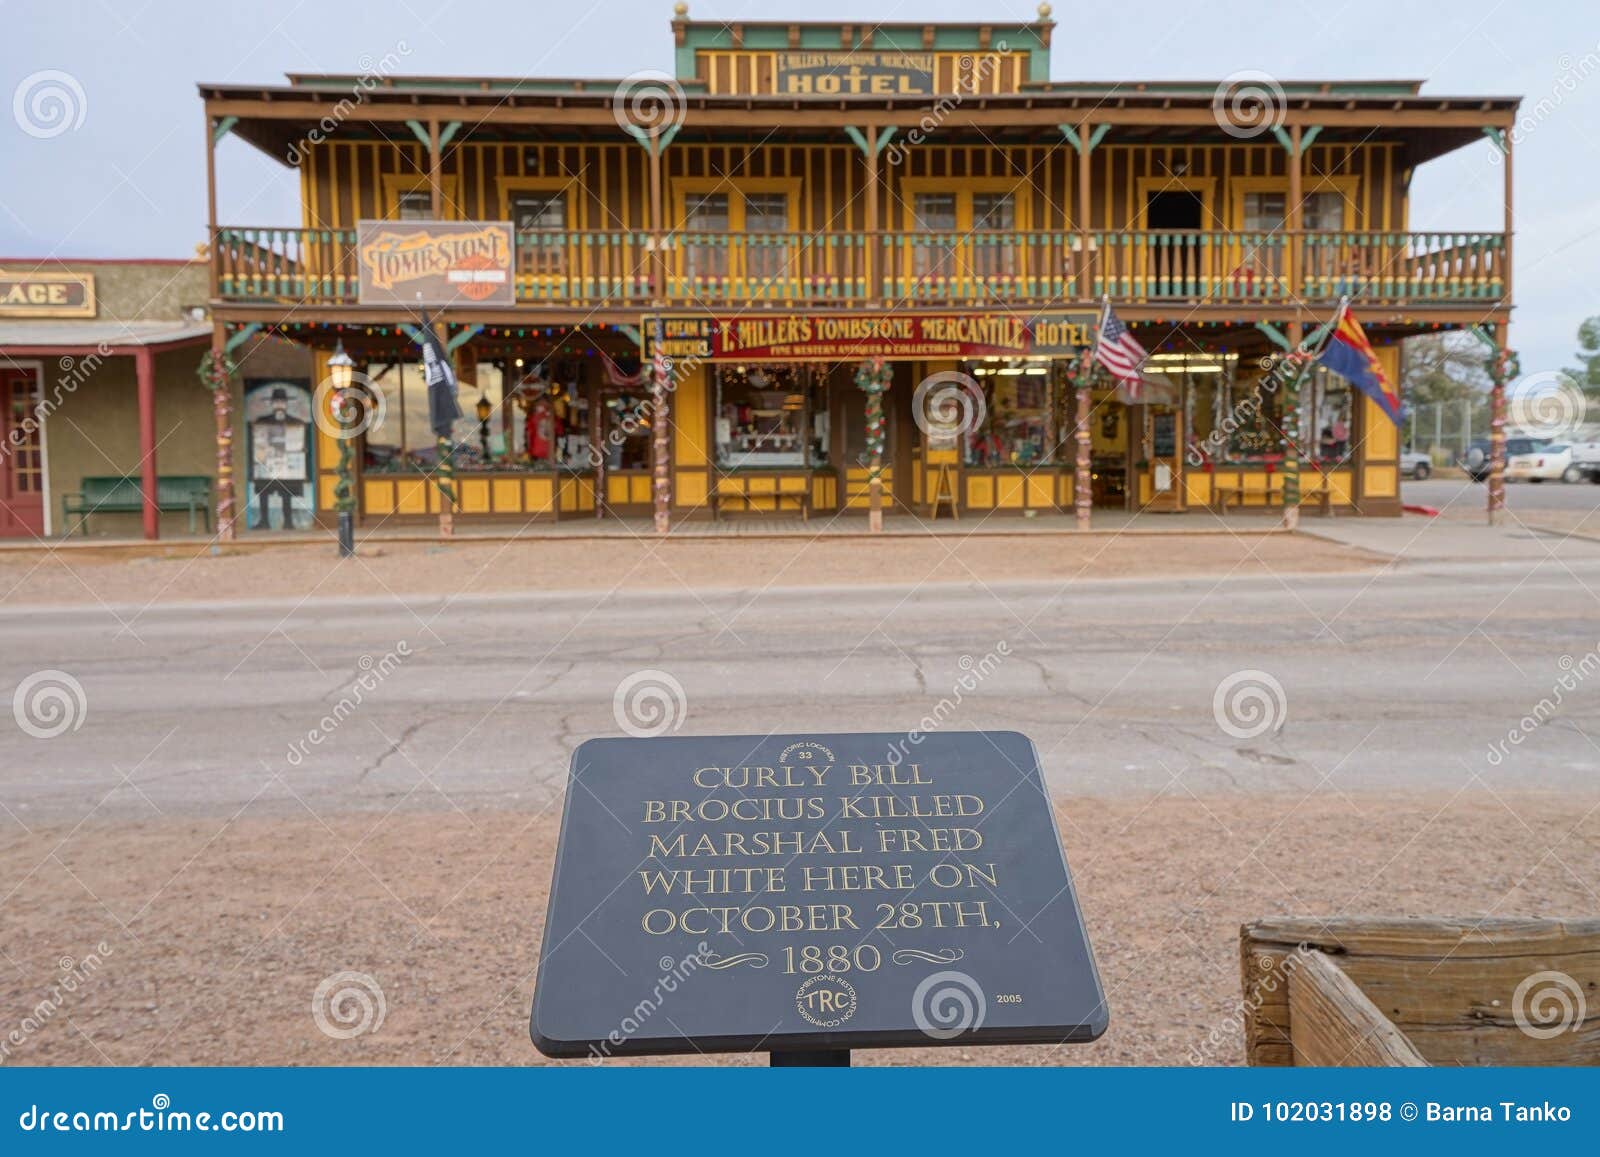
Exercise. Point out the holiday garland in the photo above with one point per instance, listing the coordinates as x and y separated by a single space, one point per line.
216 370
873 378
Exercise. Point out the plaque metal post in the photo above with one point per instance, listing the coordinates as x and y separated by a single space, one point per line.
809 1058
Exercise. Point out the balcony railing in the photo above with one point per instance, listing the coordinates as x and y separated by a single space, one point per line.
618 268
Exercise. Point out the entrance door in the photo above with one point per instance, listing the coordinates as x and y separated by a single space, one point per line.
625 434
1162 485
22 465
1174 216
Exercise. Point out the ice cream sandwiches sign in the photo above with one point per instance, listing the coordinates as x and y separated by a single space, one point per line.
436 262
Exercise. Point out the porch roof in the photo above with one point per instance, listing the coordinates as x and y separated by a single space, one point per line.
90 336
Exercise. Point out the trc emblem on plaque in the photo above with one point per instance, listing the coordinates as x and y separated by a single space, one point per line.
826 1000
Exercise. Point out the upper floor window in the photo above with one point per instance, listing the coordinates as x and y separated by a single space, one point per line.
539 210
414 205
1265 211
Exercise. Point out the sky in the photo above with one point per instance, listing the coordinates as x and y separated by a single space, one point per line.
127 178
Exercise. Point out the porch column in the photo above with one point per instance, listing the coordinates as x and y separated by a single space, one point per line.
1291 428
144 364
1295 219
871 143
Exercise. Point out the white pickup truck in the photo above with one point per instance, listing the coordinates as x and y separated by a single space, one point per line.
1416 464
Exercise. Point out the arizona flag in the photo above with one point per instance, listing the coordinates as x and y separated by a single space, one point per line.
1348 353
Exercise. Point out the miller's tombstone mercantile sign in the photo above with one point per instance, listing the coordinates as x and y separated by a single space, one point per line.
415 263
791 893
758 336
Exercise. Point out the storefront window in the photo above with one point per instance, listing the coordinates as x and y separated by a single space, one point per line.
1022 416
771 416
1325 413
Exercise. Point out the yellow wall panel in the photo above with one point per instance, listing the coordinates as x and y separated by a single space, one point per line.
539 495
690 420
411 496
639 489
616 490
1381 481
980 491
1040 490
690 489
473 495
507 495
1197 488
1064 489
1382 438
377 497
326 483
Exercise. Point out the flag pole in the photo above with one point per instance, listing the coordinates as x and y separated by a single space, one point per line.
1082 475
1291 404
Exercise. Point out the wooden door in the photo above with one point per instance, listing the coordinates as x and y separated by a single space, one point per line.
22 468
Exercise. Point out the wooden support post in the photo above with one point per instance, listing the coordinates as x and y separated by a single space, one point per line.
1085 223
435 178
445 467
660 435
1082 480
871 256
652 146
1291 433
149 479
1295 217
222 399
1505 250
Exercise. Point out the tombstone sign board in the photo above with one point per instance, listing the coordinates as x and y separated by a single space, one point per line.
810 892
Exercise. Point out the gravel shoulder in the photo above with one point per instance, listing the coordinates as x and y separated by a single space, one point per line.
181 573
216 934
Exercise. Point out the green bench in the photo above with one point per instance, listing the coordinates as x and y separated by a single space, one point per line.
118 494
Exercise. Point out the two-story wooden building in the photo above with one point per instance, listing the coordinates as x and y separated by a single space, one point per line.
799 198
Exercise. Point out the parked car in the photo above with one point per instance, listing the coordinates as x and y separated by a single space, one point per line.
1585 462
1476 460
1543 464
1416 464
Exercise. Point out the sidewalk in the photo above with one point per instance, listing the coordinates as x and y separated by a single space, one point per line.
1418 539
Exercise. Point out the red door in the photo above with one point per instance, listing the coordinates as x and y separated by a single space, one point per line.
21 457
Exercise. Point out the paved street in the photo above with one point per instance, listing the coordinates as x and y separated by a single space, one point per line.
1523 498
1396 680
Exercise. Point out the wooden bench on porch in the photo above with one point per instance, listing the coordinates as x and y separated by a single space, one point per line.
123 494
1224 496
760 493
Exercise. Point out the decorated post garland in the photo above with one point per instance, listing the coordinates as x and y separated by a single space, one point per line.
216 372
1296 365
1504 366
1081 375
873 377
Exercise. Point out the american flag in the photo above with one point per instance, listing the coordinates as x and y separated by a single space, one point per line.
1115 349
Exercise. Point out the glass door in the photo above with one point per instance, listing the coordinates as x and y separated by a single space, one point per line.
22 472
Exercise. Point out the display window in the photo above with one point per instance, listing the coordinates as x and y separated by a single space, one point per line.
1022 416
770 415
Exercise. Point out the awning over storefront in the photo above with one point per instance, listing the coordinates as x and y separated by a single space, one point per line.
40 338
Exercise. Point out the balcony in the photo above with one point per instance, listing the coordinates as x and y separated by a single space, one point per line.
620 269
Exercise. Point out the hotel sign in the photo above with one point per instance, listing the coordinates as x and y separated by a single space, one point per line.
436 263
855 73
827 337
47 295
791 892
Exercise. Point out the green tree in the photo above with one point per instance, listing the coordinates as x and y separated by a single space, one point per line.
1443 367
1587 375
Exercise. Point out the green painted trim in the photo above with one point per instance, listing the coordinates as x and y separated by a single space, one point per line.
1071 133
1485 334
645 137
1308 136
1098 135
859 138
1498 136
1274 334
884 137
462 338
633 333
1283 138
420 131
239 337
222 128
667 134
1314 338
450 131
412 332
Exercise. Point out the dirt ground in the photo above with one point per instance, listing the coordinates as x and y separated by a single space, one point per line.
189 572
212 937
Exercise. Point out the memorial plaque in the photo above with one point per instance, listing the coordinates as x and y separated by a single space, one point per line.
810 892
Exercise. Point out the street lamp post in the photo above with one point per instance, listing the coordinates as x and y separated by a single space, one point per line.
341 373
484 408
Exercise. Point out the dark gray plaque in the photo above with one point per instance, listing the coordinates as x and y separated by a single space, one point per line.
793 892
